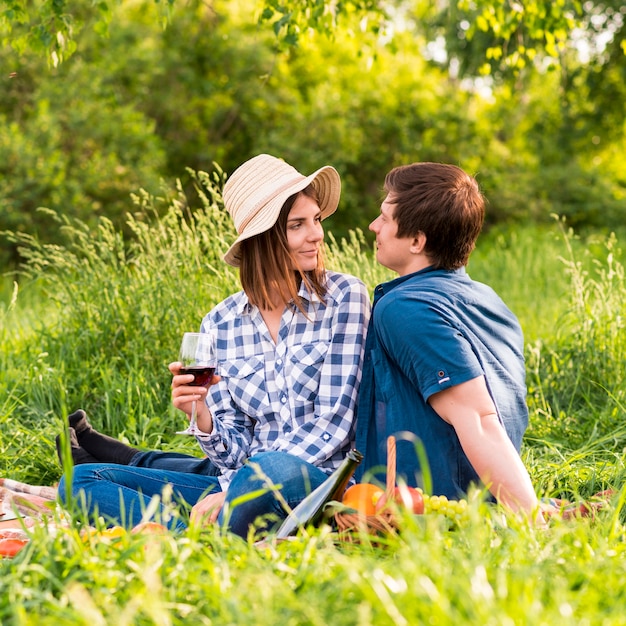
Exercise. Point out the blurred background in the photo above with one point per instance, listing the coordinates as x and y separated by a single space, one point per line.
152 90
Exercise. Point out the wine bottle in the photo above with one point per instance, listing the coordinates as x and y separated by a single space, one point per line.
311 510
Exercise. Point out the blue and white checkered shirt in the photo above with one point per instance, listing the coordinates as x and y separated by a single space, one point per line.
297 395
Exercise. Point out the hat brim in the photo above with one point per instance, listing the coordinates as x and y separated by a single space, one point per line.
328 185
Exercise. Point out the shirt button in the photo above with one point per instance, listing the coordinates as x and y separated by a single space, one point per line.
283 399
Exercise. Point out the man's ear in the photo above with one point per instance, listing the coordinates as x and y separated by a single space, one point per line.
418 244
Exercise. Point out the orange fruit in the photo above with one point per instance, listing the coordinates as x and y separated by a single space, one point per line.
362 497
11 542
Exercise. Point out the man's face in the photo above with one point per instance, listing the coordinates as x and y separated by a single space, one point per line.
391 251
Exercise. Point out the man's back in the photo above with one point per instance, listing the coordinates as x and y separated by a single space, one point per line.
432 330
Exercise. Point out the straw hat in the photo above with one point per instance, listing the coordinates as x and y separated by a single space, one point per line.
256 191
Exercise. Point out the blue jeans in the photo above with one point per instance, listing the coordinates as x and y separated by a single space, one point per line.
121 493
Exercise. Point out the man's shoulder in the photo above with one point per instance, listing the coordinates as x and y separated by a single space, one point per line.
418 290
442 286
427 297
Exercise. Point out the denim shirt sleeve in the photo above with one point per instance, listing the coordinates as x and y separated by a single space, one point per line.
426 345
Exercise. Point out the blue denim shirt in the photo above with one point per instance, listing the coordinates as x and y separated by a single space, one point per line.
429 331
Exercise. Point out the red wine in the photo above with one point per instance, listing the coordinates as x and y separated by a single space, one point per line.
202 373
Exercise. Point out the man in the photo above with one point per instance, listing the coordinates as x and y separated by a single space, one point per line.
444 366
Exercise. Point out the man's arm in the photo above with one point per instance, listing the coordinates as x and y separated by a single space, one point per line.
469 409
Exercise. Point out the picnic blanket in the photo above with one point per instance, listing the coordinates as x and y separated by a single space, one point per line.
24 503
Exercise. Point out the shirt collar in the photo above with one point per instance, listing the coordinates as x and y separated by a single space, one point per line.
384 288
244 306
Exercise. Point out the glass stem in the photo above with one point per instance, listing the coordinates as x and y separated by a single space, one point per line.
192 421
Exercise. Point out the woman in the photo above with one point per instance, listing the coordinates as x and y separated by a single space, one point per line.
279 417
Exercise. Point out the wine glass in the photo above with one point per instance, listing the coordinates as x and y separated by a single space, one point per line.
197 355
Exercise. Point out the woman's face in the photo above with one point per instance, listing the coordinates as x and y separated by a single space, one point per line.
304 232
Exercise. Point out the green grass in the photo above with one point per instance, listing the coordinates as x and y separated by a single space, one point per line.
95 325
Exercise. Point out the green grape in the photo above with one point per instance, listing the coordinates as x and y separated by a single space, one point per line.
455 510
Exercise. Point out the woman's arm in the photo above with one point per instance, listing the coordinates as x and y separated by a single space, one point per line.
184 395
224 432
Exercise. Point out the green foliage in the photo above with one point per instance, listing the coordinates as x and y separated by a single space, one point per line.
487 35
546 158
211 88
490 570
50 28
119 308
577 379
205 91
504 40
76 155
349 107
290 19
523 265
502 37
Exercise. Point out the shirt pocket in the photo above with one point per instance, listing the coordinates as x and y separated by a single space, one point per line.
245 380
306 370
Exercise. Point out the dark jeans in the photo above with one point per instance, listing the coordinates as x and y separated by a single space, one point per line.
175 462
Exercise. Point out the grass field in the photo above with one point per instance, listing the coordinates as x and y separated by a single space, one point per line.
94 324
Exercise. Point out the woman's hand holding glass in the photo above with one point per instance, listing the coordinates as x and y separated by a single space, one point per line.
190 386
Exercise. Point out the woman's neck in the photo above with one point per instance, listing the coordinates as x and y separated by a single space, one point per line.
272 318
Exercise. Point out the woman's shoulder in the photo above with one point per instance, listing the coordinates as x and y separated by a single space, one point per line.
230 307
346 288
343 282
347 292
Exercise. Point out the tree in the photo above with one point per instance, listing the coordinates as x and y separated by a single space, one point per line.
148 102
79 138
508 33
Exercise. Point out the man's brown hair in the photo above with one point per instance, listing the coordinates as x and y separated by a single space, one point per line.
442 202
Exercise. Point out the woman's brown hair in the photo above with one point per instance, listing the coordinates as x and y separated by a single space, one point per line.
268 268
